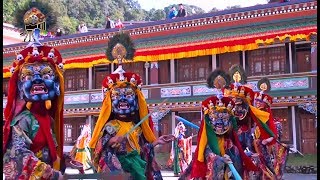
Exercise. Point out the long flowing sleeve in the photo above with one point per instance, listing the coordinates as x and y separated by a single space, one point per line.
19 162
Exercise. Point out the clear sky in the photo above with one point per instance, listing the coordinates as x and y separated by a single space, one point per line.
206 5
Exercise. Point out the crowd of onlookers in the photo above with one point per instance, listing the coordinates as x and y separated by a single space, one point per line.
82 28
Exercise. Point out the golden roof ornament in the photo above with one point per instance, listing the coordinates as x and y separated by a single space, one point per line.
120 47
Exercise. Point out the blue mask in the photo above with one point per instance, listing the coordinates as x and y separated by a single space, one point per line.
220 122
38 82
124 101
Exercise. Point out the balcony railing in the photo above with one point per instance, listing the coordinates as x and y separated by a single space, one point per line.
287 84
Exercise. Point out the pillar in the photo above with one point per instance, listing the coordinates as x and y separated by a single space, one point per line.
294 128
290 58
314 56
173 123
146 66
154 74
244 60
214 62
90 121
172 71
90 78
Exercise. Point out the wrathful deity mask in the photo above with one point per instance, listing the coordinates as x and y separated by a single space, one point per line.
220 122
124 101
240 109
38 82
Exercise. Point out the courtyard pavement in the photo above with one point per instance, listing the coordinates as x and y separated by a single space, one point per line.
168 175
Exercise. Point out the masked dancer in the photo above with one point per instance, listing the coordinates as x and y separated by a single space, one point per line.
118 144
33 131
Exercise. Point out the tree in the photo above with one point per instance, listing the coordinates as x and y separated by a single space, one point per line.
9 9
214 10
193 10
68 25
155 15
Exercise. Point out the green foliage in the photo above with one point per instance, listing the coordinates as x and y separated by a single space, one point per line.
306 160
155 15
68 25
126 41
67 14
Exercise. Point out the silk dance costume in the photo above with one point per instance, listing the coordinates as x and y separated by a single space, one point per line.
218 143
33 131
80 151
181 152
272 149
249 118
115 147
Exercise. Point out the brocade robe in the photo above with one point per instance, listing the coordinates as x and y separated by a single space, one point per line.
134 156
19 160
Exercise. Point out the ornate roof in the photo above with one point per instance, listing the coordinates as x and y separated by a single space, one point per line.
206 34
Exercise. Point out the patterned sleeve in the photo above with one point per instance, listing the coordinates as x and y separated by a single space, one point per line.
153 169
102 154
20 162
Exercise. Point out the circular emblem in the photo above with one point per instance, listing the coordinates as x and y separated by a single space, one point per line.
110 129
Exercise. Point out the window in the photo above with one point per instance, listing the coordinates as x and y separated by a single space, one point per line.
76 79
201 73
70 84
226 60
276 65
136 67
81 83
193 69
303 57
164 72
267 61
100 72
72 129
257 67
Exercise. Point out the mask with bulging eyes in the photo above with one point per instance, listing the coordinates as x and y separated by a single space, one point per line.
220 122
38 82
124 101
240 109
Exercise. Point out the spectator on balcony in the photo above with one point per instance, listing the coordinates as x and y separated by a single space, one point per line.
83 28
109 23
119 24
59 32
173 13
182 11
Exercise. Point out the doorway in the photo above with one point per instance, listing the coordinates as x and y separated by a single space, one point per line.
308 124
